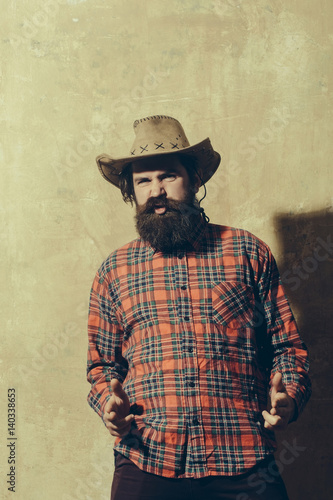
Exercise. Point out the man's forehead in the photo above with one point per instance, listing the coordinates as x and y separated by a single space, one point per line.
157 163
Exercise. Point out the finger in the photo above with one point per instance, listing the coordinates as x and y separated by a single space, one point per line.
117 421
117 391
112 418
279 426
268 426
119 430
274 423
119 426
108 405
116 387
113 403
109 417
277 384
281 412
280 399
121 433
116 404
272 420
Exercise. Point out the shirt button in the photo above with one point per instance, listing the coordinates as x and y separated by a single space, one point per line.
183 287
186 318
191 384
195 421
180 255
190 349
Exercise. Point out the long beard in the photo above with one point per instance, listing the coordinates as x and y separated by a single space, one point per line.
171 230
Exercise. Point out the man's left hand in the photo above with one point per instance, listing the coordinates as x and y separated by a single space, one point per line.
282 406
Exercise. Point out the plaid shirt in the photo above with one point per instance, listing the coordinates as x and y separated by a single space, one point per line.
188 334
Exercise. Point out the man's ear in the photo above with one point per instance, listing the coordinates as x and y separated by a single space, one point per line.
197 184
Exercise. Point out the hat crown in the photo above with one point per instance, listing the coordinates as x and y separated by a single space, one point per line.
158 134
155 136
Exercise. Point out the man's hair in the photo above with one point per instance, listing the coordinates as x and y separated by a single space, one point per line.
126 177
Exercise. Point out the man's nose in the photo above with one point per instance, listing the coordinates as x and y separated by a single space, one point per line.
157 188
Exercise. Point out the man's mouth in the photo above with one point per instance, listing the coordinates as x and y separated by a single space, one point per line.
160 209
157 206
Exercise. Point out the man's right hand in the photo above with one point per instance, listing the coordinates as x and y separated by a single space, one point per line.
116 413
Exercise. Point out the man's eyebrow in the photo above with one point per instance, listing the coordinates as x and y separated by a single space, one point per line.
140 177
169 171
172 170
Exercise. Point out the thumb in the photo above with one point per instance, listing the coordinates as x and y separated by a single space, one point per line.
277 384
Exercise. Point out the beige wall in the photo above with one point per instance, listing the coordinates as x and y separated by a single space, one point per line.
254 76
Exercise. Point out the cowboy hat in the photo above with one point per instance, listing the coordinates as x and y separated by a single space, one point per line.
160 135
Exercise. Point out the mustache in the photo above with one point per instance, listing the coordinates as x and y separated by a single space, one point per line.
161 201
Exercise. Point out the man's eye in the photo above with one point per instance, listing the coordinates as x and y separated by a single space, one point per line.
142 181
170 176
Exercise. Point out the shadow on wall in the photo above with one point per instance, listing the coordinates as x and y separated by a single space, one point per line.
306 268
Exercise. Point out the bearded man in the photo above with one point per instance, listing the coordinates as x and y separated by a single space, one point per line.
188 328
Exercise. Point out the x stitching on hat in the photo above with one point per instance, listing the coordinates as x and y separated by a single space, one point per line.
174 145
159 145
144 148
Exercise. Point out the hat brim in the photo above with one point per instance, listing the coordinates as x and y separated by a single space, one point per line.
208 161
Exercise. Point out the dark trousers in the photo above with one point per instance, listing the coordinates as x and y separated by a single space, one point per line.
263 482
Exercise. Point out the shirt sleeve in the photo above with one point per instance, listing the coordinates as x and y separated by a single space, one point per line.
289 353
105 335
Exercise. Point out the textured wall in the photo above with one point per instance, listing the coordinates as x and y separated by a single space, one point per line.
256 77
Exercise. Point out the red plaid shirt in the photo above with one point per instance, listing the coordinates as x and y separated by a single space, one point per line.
188 334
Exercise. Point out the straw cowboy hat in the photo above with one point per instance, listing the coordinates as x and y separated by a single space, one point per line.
160 135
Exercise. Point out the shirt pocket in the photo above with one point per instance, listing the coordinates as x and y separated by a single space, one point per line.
233 305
